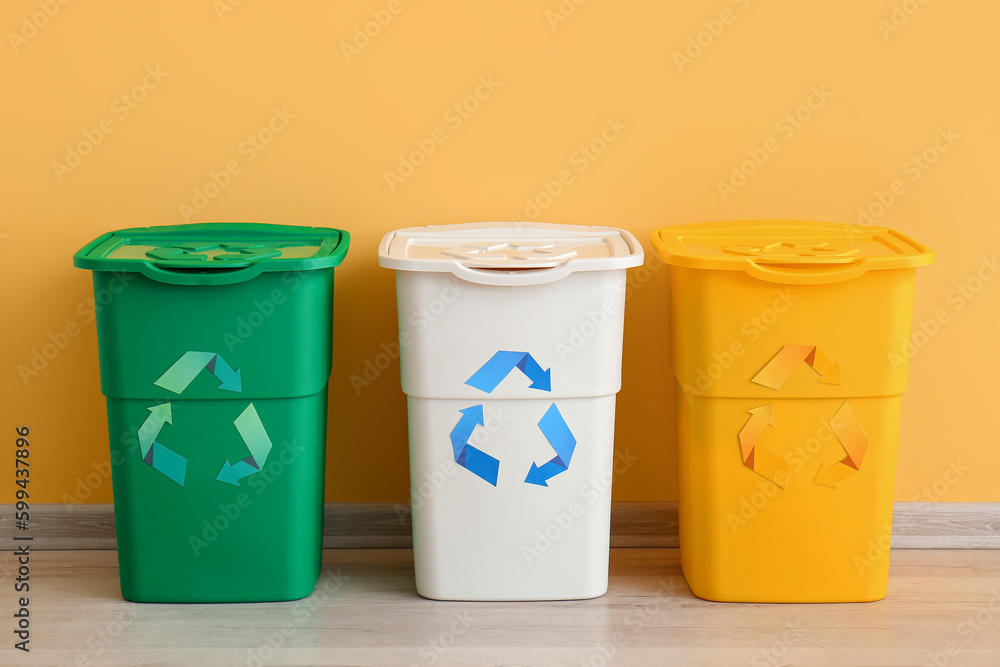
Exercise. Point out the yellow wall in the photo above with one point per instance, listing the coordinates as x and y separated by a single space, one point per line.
893 81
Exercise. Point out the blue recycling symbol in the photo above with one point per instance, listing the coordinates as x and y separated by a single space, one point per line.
552 424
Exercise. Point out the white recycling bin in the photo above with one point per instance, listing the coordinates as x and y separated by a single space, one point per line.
510 347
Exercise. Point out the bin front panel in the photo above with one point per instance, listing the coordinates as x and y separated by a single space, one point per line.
512 541
274 330
727 327
209 541
744 539
451 330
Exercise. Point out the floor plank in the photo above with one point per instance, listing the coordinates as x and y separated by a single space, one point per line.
365 612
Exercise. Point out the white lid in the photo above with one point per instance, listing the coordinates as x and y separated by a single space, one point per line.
509 253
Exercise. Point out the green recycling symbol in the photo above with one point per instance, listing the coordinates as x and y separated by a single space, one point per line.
176 379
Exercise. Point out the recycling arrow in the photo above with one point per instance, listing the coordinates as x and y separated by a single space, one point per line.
161 458
852 436
780 368
183 372
474 460
762 462
557 432
255 437
158 416
501 364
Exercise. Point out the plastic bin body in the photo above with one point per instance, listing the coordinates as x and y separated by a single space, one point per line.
807 526
194 532
515 539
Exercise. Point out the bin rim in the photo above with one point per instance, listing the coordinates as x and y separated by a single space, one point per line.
767 249
624 251
331 248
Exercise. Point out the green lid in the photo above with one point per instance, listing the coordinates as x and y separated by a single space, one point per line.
215 253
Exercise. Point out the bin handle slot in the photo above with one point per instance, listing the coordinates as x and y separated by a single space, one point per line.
509 269
806 273
190 275
519 275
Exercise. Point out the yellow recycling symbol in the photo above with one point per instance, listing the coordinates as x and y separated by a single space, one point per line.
844 424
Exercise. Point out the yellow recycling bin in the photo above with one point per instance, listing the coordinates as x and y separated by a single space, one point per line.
788 344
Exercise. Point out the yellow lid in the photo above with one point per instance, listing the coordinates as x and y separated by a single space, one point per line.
789 251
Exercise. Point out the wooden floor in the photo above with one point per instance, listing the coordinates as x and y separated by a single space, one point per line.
939 602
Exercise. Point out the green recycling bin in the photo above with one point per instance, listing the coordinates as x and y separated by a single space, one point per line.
215 344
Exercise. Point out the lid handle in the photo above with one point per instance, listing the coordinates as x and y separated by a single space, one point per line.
806 274
512 276
196 275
